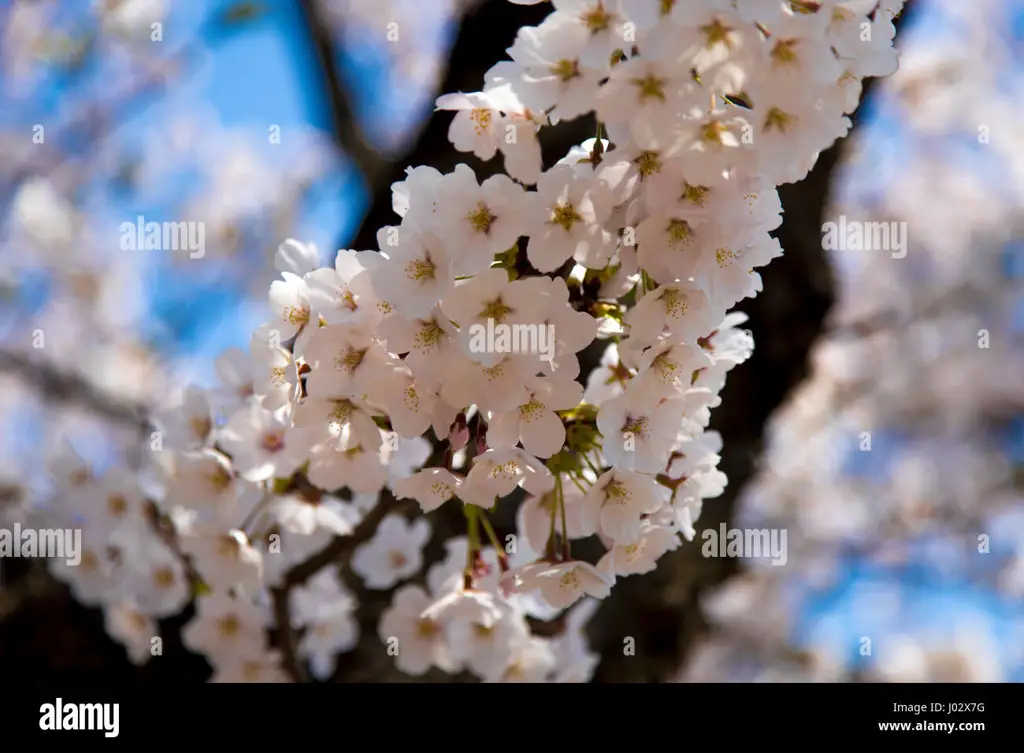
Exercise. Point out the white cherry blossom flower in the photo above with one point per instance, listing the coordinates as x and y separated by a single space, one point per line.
532 660
263 445
577 207
265 668
431 487
547 74
225 560
617 503
393 554
226 626
344 294
562 584
484 649
482 220
187 426
418 270
535 423
304 516
641 555
135 630
497 472
638 432
326 609
420 640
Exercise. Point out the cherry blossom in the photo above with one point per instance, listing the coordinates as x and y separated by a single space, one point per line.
317 441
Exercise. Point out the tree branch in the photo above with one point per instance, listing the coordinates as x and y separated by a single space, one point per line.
348 133
484 34
286 635
65 387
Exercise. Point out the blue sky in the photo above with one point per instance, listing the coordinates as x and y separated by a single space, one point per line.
255 77
266 74
248 77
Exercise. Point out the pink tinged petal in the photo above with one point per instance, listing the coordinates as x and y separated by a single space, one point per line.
621 522
503 430
542 433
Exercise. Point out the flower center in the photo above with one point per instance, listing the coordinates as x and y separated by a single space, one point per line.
481 219
297 316
428 336
711 132
229 626
597 19
397 559
117 505
777 119
494 372
220 479
633 551
163 578
648 163
637 426
616 493
679 231
227 546
565 215
442 490
483 632
665 367
650 87
481 118
495 310
201 426
341 413
569 581
566 69
784 52
273 441
674 303
352 359
420 269
506 471
717 33
695 194
427 628
532 410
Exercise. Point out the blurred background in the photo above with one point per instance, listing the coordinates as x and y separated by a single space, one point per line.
880 421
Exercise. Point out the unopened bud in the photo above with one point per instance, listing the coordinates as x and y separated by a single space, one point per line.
458 433
480 568
481 435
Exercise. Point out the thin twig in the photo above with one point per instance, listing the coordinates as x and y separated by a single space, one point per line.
347 132
65 387
286 635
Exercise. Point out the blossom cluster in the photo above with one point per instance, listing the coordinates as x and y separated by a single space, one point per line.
640 240
899 458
